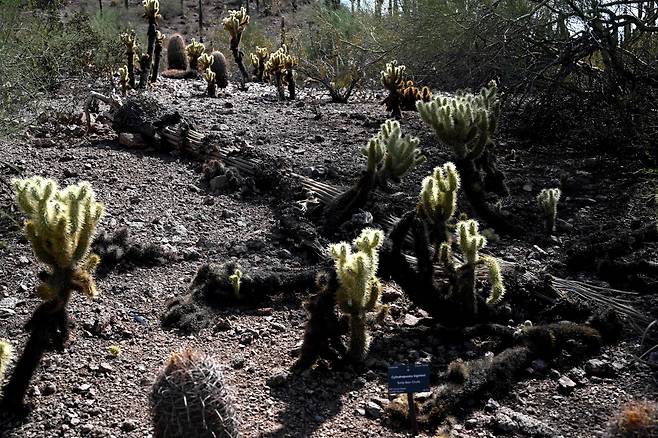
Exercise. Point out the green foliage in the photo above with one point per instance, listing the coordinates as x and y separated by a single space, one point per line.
438 196
359 289
6 354
465 122
190 399
60 228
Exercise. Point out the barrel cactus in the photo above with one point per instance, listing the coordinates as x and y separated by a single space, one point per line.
190 399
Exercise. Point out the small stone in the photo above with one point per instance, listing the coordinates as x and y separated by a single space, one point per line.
578 375
278 379
374 410
410 320
49 389
128 425
222 325
264 311
566 385
598 367
133 141
105 367
491 405
238 362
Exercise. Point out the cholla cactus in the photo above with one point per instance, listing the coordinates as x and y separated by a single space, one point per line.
465 122
236 281
190 399
400 155
392 78
194 51
129 41
359 289
60 228
280 66
123 79
151 9
463 277
438 198
258 60
152 14
6 354
548 200
209 76
157 54
204 61
235 24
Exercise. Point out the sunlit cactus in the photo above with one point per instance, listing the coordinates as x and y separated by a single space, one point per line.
401 153
152 14
359 289
157 55
151 9
258 60
123 79
465 122
392 78
129 41
280 66
235 24
236 281
438 198
209 76
204 61
194 50
548 200
470 241
191 399
60 226
6 355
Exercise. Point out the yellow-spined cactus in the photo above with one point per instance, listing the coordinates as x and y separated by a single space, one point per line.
465 122
392 78
280 66
123 79
60 228
359 288
6 354
235 24
548 200
194 50
129 40
258 60
204 62
236 281
438 198
210 77
401 153
151 9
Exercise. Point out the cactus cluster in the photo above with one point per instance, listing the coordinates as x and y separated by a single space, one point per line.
392 78
190 399
410 94
235 24
60 226
258 61
390 155
359 289
194 51
129 40
152 14
548 200
280 66
465 122
438 198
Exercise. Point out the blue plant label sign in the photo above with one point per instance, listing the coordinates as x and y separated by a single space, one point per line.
406 378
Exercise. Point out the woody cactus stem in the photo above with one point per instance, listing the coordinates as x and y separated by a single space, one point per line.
123 79
128 39
392 78
548 200
258 60
152 14
235 24
157 54
359 289
60 228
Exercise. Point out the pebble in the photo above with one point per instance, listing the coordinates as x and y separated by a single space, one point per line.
278 379
566 385
374 410
128 425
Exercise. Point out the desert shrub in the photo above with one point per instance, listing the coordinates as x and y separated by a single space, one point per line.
39 51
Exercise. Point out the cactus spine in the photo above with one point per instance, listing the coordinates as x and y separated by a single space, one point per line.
235 24
60 228
359 289
548 200
129 41
190 399
194 50
438 199
392 78
258 60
